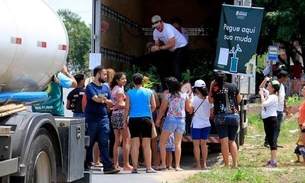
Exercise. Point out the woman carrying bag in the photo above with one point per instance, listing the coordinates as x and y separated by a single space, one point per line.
201 126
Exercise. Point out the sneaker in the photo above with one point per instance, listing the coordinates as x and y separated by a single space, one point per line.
270 164
280 146
151 171
135 171
111 170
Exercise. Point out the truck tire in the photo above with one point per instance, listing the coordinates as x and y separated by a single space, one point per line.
41 162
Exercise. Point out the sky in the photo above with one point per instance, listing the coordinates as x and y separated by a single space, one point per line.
81 7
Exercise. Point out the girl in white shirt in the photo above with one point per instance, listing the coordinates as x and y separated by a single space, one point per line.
201 126
269 116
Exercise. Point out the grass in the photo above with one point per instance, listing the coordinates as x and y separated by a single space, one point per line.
294 100
252 157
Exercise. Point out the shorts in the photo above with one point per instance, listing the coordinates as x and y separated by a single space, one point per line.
200 133
140 127
174 124
299 149
117 121
227 125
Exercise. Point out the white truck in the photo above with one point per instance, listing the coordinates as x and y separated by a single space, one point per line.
34 147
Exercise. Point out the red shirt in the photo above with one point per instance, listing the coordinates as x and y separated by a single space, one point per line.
302 113
296 70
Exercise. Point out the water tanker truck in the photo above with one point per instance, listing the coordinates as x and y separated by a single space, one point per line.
34 147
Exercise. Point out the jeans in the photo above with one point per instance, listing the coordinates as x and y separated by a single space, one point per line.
227 125
78 115
98 132
174 124
278 128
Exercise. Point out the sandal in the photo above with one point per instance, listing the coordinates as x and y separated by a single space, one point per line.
161 168
178 169
297 161
99 165
129 168
194 166
170 168
151 171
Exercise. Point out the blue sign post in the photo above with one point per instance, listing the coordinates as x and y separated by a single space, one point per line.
273 53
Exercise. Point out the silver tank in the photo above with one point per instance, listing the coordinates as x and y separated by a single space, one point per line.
33 45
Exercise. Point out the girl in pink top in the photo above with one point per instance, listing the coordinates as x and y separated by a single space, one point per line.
118 97
177 103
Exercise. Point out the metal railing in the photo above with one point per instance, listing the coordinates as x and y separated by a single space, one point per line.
130 24
116 56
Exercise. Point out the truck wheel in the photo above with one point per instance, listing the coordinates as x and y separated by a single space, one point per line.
41 162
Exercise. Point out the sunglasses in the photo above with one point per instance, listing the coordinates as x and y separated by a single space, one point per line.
155 22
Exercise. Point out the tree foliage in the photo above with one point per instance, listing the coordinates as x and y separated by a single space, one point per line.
79 41
283 24
284 19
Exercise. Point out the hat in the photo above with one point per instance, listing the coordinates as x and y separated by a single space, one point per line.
275 82
276 85
199 84
155 21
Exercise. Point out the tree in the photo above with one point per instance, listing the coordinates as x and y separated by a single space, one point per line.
79 41
283 23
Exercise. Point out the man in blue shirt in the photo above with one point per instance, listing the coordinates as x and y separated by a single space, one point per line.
96 117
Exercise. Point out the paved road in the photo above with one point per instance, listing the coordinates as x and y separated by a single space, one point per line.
168 176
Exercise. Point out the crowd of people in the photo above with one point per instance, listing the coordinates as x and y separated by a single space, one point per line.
115 118
132 115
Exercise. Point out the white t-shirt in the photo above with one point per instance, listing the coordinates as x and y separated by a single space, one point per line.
270 106
201 118
265 92
281 98
185 33
169 32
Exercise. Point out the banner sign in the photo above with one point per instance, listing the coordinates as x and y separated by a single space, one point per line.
238 35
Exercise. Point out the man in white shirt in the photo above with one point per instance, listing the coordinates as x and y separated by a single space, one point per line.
282 77
172 40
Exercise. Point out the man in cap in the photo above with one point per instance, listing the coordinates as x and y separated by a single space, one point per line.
172 40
